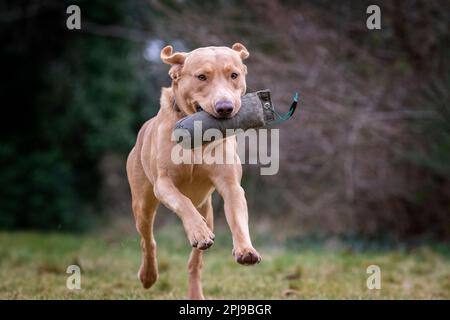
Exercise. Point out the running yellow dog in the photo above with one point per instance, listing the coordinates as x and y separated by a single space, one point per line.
212 79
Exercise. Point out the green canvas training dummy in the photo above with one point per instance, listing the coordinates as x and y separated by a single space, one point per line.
256 111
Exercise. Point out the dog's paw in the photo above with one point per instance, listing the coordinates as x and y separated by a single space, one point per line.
147 277
199 234
196 296
246 256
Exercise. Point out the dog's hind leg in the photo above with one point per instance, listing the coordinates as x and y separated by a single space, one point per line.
144 205
145 212
196 258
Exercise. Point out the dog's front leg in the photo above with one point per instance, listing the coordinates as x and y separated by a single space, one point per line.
237 217
198 233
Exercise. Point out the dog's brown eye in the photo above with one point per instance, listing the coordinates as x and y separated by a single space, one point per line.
201 77
234 75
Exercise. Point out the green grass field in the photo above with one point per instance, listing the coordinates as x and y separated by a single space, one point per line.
33 266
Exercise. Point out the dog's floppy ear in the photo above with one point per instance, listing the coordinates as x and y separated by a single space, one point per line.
176 60
241 49
167 56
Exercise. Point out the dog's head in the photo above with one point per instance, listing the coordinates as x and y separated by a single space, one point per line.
210 78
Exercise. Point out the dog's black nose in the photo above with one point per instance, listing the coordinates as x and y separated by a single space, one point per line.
224 107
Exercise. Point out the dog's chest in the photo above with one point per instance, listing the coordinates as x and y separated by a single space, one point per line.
193 181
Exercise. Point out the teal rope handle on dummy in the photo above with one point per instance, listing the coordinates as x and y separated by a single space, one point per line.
256 111
290 113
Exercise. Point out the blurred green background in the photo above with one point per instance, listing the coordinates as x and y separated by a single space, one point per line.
364 168
367 155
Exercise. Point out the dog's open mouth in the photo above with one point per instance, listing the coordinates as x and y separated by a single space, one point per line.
198 108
